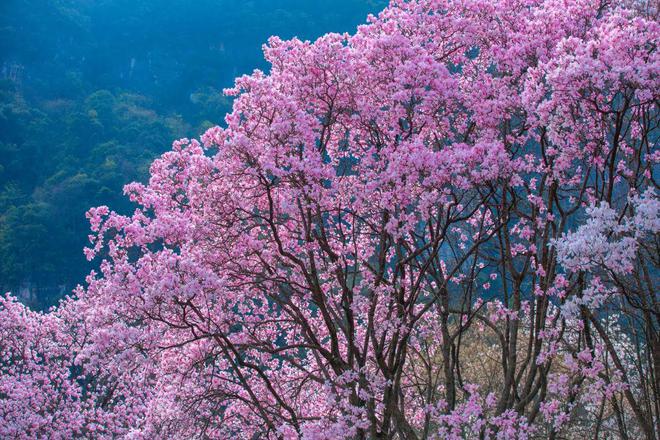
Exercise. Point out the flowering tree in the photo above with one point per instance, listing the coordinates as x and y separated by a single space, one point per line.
443 226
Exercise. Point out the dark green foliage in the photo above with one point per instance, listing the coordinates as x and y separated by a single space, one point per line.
91 91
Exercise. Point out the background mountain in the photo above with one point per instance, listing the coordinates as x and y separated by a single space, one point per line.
92 90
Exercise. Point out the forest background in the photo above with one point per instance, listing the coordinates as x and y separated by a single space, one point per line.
91 91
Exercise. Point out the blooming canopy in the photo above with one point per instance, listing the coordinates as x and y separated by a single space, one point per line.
442 226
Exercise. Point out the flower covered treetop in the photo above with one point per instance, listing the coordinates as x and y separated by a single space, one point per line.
442 226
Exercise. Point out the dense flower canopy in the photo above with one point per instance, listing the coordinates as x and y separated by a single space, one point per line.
443 226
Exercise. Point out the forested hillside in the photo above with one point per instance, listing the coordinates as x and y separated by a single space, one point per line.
92 91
